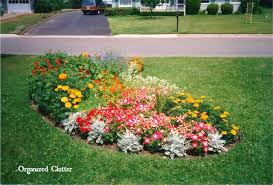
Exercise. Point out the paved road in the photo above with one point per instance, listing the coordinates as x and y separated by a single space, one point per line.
145 46
72 23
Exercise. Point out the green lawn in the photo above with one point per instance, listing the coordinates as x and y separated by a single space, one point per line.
191 24
242 85
18 24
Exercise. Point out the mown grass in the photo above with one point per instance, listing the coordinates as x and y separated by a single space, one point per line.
262 23
18 24
242 85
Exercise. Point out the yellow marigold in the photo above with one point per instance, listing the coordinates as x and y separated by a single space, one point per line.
235 127
90 85
194 115
233 132
226 113
78 93
76 106
59 86
204 117
224 133
217 108
71 91
203 97
56 89
85 54
195 111
223 116
68 105
64 99
62 76
190 100
72 96
77 100
196 105
65 88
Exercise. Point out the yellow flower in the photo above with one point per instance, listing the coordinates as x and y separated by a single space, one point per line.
85 54
78 94
226 113
233 132
71 91
195 111
203 97
76 100
223 116
224 133
217 108
76 106
59 86
62 76
190 100
90 85
66 61
183 101
64 99
56 89
204 117
196 105
208 124
68 105
72 96
65 88
194 115
234 127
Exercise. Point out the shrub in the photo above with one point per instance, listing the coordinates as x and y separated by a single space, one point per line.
193 7
121 11
256 8
161 13
226 8
213 9
44 6
266 3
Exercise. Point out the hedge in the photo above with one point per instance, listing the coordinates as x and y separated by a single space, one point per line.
213 9
227 8
121 11
43 6
193 7
160 13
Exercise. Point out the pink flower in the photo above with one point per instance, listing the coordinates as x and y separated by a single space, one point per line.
146 141
194 145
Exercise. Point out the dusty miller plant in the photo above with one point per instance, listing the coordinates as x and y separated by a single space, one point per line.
216 144
96 133
176 145
129 142
70 125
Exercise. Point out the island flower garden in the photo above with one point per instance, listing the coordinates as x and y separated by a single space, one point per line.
106 100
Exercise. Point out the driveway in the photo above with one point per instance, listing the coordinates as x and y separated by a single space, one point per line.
72 23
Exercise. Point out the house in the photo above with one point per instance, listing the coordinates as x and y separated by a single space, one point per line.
22 6
173 5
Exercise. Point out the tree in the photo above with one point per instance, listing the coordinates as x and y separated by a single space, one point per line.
153 3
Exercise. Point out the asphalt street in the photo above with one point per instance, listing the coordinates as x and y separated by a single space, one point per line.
144 45
72 23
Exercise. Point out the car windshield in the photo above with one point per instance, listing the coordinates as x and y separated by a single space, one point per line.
88 3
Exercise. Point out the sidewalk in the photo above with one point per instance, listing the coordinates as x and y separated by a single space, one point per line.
144 45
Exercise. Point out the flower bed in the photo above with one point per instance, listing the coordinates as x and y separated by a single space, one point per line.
106 100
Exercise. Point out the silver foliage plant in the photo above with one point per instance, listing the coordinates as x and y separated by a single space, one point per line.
97 130
176 145
129 142
70 125
216 144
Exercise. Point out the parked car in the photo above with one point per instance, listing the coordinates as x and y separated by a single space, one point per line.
92 6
